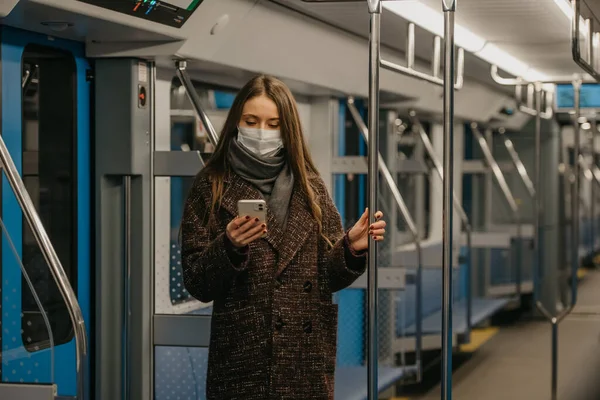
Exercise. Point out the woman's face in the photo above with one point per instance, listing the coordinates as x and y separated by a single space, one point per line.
260 112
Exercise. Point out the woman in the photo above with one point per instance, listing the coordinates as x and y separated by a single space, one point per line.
273 333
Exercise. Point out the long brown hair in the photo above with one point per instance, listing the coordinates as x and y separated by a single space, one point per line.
298 156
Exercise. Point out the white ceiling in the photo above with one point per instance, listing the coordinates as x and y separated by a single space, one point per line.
534 31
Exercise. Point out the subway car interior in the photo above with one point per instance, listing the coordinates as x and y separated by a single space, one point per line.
485 161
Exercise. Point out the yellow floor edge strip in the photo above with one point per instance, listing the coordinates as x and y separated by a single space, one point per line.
478 338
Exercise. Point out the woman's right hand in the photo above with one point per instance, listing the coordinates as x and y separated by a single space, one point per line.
244 230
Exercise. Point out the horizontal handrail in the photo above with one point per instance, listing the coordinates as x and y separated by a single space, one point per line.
557 80
527 108
533 87
434 77
56 268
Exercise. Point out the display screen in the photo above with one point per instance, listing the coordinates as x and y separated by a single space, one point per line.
173 13
590 96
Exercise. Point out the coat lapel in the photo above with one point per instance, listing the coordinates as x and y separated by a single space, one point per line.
299 225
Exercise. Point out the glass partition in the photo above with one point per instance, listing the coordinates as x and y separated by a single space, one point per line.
27 340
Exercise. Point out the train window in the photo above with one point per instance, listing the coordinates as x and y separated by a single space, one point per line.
49 173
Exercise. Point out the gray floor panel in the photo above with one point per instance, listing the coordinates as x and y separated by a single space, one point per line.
515 364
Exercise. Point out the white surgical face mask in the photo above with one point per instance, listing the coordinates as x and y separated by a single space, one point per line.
260 141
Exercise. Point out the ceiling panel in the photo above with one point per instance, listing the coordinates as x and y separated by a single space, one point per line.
593 6
511 21
534 31
354 18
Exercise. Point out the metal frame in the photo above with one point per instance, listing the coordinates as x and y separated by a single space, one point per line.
466 225
532 89
593 167
124 185
589 176
358 165
576 81
404 211
126 345
180 67
434 78
28 391
514 156
372 139
510 199
590 65
449 8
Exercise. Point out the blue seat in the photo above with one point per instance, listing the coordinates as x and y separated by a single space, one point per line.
482 309
351 382
180 373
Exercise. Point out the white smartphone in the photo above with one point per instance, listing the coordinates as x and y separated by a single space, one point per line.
253 208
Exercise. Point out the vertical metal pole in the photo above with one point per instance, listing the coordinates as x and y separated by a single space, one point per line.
126 382
435 65
575 196
594 130
574 238
373 177
468 283
152 143
537 204
410 46
554 388
449 7
538 180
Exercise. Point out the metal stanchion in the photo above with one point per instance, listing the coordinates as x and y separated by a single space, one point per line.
449 7
594 194
373 177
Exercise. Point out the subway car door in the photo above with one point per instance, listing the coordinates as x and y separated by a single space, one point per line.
45 109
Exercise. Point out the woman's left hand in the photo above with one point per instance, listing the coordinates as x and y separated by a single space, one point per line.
360 232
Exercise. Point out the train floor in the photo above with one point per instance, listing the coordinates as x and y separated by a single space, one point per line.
515 363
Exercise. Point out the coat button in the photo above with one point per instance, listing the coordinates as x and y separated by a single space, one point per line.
279 324
307 287
307 326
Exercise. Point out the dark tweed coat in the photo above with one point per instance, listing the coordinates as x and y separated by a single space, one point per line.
273 330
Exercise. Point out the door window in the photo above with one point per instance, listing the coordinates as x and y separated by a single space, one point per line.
50 176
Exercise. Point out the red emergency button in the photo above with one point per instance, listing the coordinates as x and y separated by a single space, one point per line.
142 96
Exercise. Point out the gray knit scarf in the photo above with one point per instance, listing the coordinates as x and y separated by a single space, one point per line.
270 174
